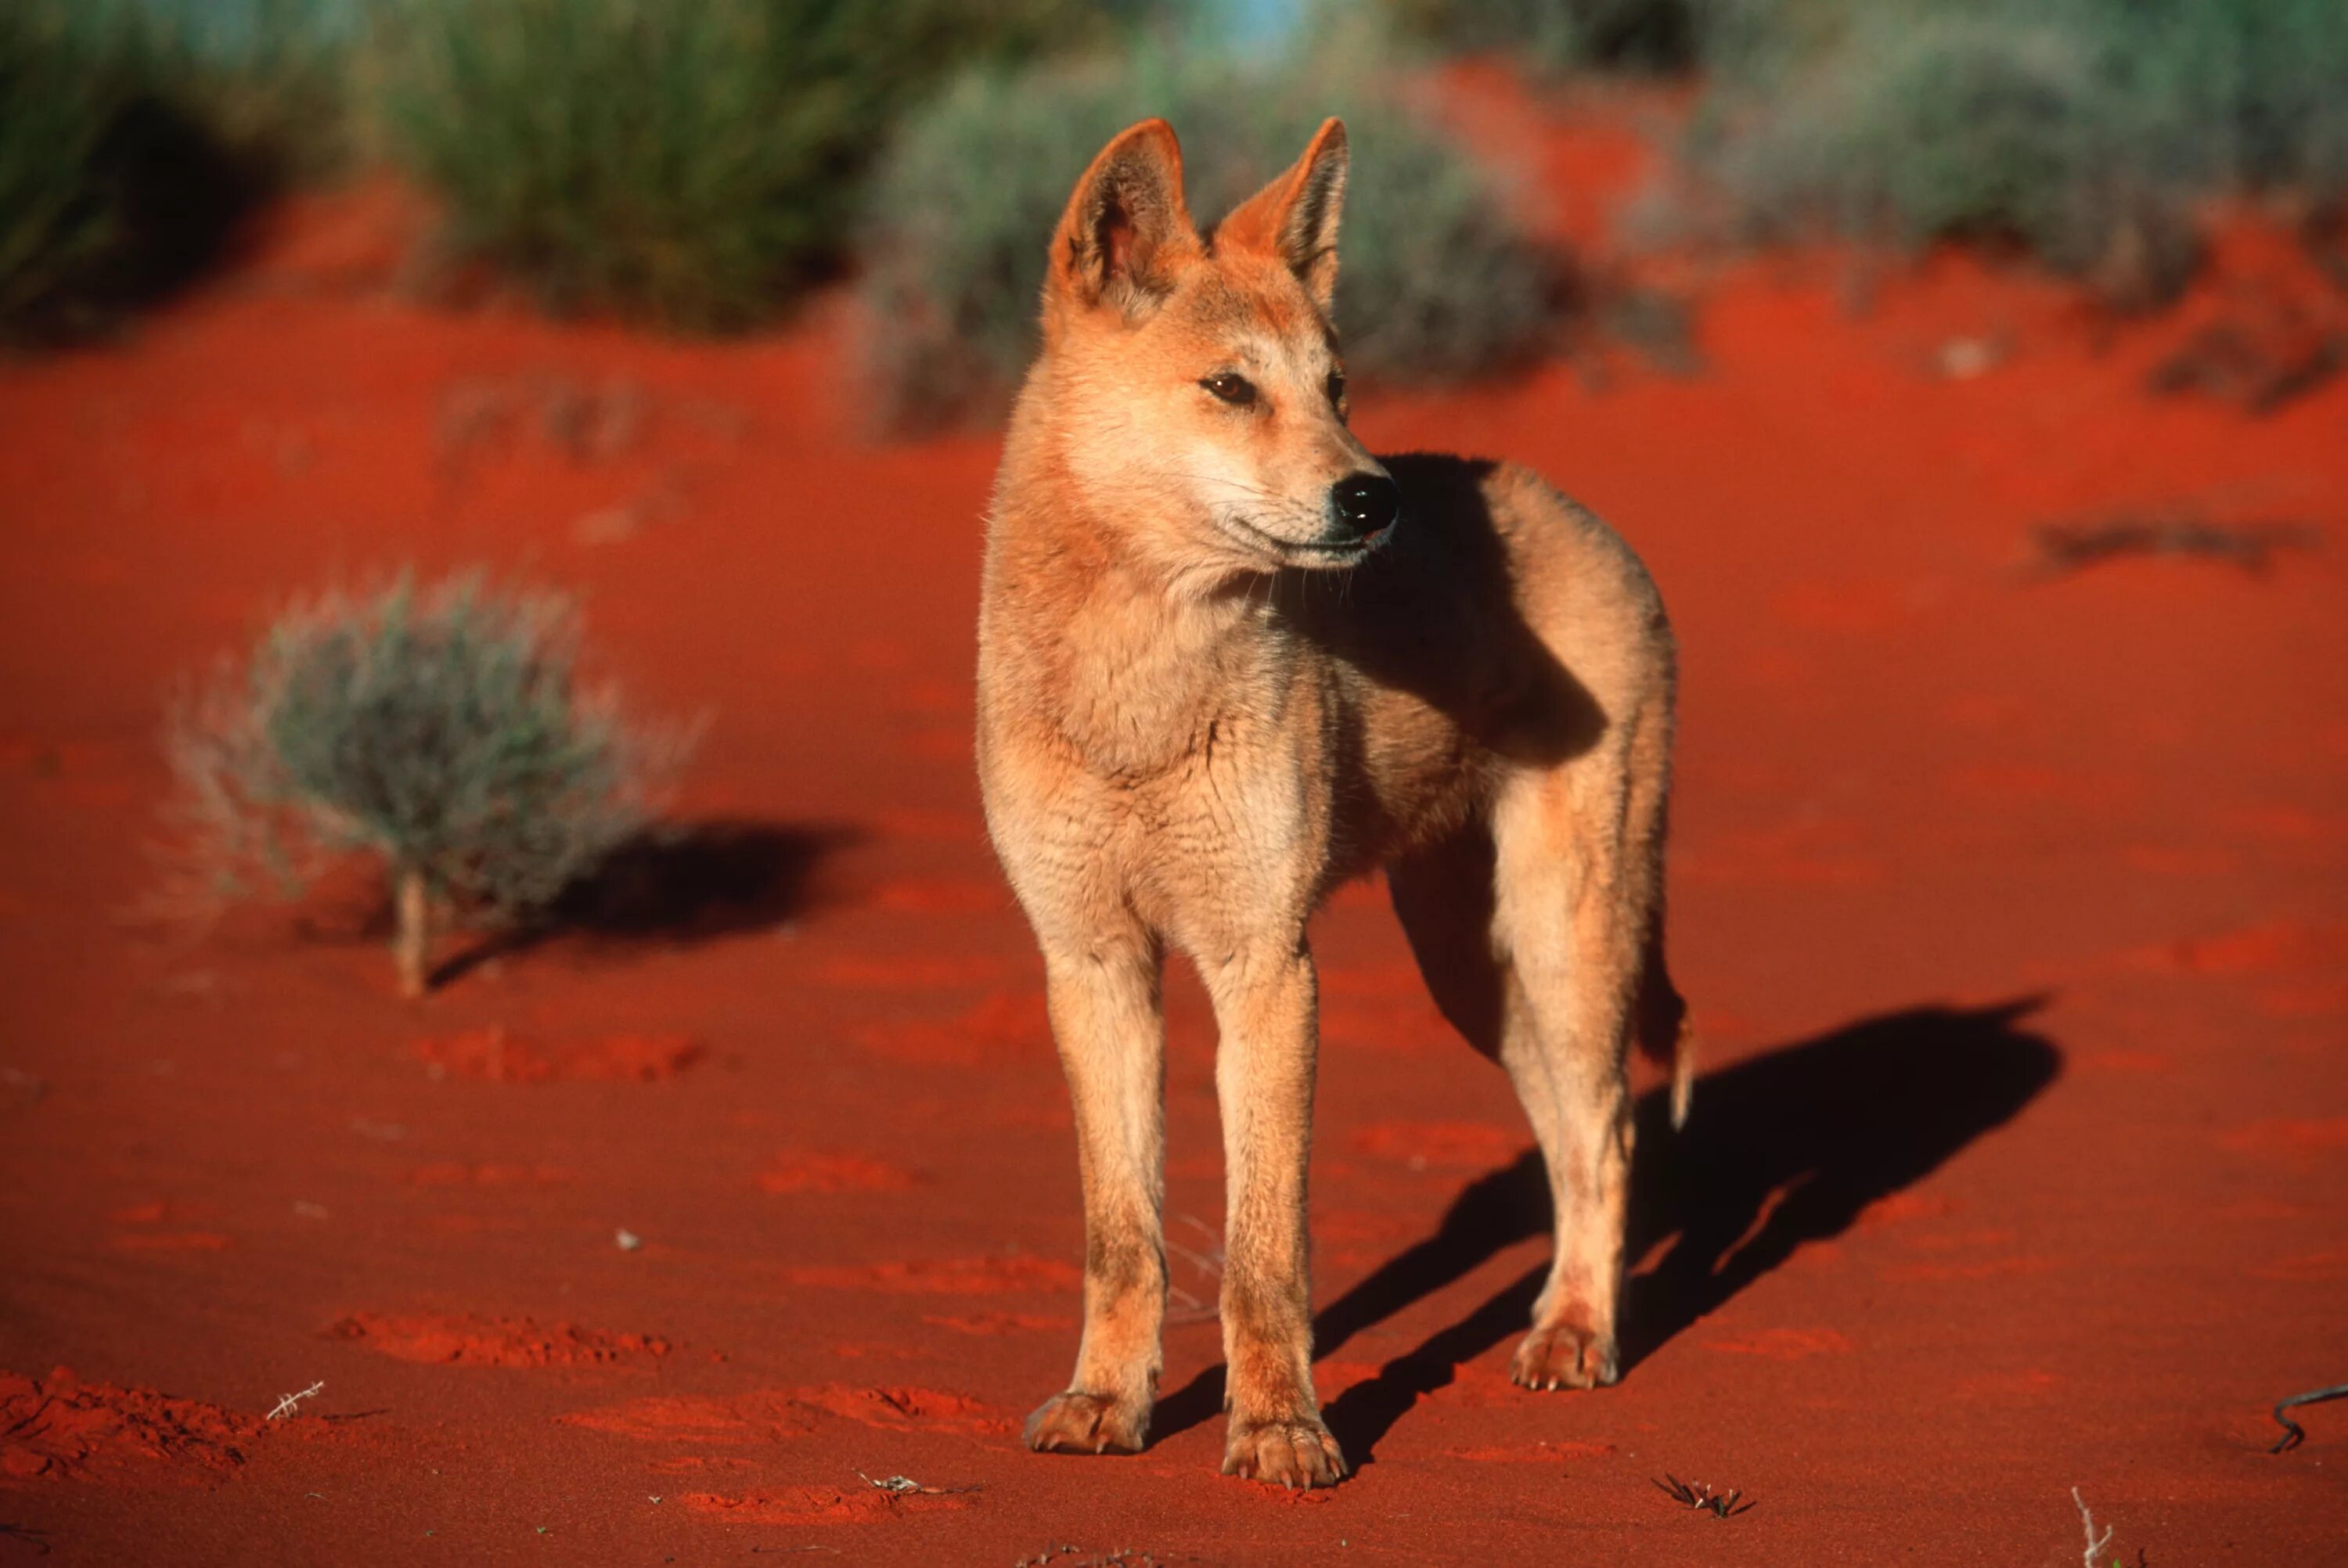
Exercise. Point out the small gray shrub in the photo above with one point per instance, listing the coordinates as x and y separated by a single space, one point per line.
2085 131
440 729
1438 282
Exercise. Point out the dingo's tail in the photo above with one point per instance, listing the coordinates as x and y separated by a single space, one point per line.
1663 1033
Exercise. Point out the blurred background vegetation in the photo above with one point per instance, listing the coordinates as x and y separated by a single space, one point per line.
699 164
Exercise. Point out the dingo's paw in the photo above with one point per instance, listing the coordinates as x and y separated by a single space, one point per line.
1080 1423
1290 1454
1565 1356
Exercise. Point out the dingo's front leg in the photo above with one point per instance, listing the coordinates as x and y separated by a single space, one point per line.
1106 1018
1263 1077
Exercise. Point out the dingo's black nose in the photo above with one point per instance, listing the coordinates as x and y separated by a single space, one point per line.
1369 503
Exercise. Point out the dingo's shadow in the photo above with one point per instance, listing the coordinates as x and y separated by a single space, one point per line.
676 885
1780 1150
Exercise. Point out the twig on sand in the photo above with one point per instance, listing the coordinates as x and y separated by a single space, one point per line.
1719 1504
286 1406
2088 1522
2293 1434
897 1486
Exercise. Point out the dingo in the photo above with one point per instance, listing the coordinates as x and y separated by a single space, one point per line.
1226 660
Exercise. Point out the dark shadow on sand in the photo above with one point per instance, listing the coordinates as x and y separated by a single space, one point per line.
1789 1146
677 885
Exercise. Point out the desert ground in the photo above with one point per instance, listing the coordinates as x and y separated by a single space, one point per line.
2005 886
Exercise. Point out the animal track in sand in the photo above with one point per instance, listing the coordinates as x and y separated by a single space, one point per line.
2298 1138
1004 1025
1402 1025
59 1427
1534 1452
496 1056
694 1465
811 1172
2029 1383
1441 1145
1331 1379
1859 606
768 1415
2308 1265
1900 1207
940 824
1784 1343
174 1241
923 973
859 1504
154 1212
453 1174
899 1408
993 1323
2318 999
947 745
945 1277
1353 1237
1808 853
2019 784
1988 1268
754 1418
943 895
2263 948
461 1341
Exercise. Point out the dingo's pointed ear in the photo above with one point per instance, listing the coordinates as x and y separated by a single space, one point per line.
1294 218
1126 226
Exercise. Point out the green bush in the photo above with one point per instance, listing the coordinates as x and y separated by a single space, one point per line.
688 161
439 730
114 187
137 134
272 79
1438 282
2085 131
61 215
1552 38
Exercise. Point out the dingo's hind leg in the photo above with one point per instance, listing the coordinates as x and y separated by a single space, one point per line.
1578 876
1533 934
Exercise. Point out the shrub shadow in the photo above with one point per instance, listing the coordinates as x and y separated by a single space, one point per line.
1782 1149
678 885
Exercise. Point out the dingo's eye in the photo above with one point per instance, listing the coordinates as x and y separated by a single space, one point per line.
1232 389
1337 387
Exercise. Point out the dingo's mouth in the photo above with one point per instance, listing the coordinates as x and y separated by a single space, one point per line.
1312 554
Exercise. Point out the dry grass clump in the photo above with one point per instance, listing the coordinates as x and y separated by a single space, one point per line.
439 730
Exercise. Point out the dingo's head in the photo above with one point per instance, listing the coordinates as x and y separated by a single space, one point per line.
1195 380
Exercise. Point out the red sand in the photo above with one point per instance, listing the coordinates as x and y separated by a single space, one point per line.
495 1054
460 1341
2009 903
61 1429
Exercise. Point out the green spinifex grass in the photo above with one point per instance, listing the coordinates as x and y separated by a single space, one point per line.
61 210
686 161
134 135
